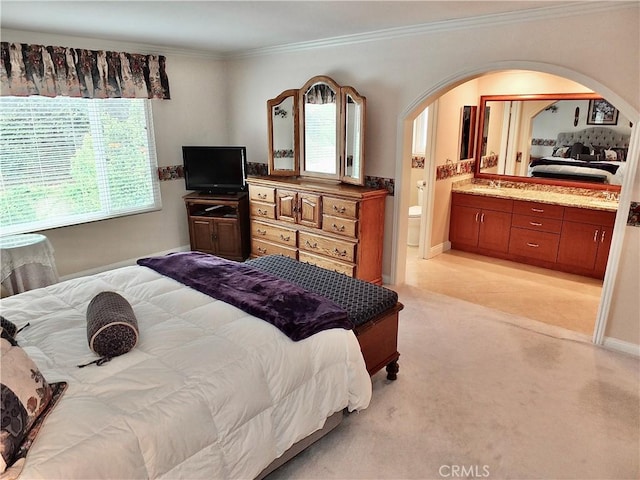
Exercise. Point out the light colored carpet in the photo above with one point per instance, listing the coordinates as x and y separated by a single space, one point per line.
481 395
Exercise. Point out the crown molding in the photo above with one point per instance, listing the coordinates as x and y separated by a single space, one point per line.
535 14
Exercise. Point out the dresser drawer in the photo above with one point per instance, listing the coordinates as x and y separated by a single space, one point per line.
537 209
262 194
262 210
593 217
540 224
532 244
327 246
339 207
272 233
259 248
341 226
327 263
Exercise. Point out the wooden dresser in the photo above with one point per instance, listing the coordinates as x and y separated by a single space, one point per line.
335 226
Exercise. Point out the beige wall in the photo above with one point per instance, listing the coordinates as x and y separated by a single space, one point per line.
214 101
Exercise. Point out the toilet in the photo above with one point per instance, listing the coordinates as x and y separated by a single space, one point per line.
415 214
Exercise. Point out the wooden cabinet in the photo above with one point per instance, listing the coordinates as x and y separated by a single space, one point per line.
335 226
219 224
480 223
585 240
571 239
535 230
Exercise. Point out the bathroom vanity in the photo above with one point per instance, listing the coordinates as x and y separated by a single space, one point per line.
548 228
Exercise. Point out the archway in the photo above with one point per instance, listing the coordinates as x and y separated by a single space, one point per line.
403 154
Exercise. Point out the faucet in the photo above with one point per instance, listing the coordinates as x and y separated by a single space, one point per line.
612 196
494 184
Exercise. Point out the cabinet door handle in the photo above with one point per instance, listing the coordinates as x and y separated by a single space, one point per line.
262 196
339 210
338 228
537 210
595 235
310 245
261 232
214 237
482 218
477 215
286 239
535 224
602 237
533 245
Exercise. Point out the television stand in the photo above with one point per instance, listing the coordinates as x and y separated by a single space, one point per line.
219 224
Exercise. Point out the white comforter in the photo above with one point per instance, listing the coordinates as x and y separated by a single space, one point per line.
208 392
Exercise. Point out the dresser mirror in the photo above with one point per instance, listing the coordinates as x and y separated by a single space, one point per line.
282 115
521 138
322 133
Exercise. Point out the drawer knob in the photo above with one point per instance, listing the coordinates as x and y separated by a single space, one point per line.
532 245
262 212
340 253
311 245
339 210
286 239
262 250
338 228
262 196
261 232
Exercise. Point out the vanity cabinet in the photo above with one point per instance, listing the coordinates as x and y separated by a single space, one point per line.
535 230
335 226
480 223
219 224
585 240
570 239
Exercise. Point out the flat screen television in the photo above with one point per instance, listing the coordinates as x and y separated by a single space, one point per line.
215 169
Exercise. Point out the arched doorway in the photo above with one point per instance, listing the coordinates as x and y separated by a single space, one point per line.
405 125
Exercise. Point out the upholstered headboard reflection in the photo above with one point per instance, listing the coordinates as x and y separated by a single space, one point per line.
593 136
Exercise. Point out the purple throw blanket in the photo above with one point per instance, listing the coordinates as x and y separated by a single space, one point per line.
298 313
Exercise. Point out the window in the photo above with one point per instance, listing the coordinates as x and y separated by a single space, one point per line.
420 134
65 161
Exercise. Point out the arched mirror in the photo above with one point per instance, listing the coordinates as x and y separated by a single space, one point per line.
282 116
320 127
574 139
327 135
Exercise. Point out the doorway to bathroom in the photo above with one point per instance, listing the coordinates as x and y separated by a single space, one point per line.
555 299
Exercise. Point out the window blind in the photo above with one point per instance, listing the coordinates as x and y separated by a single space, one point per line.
320 138
65 161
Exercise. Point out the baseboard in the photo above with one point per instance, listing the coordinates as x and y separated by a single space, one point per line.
621 346
124 263
438 249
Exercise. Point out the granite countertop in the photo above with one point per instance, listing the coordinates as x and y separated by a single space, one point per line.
567 197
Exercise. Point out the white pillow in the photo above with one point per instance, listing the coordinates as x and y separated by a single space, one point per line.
610 155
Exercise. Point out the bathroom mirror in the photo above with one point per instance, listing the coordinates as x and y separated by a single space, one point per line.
282 117
326 136
519 132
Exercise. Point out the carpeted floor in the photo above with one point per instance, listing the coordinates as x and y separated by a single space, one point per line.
481 395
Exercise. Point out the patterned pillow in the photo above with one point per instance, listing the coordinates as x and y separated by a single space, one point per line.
112 328
24 395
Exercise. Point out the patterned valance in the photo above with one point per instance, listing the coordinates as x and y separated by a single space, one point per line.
51 71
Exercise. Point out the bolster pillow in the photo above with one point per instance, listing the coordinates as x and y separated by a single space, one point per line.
112 328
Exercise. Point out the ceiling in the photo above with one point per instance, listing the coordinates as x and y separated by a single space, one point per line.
228 28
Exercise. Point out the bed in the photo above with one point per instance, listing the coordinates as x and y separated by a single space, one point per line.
210 390
596 154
